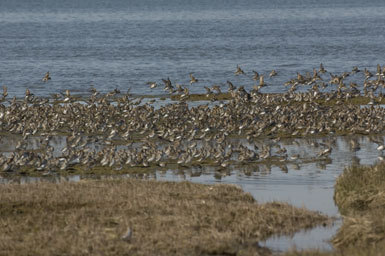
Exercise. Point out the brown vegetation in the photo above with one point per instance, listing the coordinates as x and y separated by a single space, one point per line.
166 218
360 196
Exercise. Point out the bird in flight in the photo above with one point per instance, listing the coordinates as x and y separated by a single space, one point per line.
239 71
193 79
46 77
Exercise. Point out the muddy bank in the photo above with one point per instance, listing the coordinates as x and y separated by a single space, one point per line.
165 218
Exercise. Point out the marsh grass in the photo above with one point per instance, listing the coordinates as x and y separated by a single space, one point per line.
360 196
166 218
377 250
361 188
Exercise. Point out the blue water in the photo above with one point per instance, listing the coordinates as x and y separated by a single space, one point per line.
125 43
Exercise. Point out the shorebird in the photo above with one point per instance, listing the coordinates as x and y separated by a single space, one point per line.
261 81
167 82
152 84
5 91
179 88
322 69
325 152
353 86
255 89
193 79
28 95
335 79
208 91
127 236
345 75
239 71
196 134
231 86
67 96
355 70
255 76
185 94
168 85
380 143
216 88
315 75
300 78
46 77
367 73
273 73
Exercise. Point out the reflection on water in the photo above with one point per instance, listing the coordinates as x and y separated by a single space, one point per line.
309 185
55 179
302 184
302 181
316 238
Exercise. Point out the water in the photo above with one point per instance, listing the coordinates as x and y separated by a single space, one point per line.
309 185
122 44
302 183
316 238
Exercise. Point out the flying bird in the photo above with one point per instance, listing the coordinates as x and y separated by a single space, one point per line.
193 79
239 71
46 77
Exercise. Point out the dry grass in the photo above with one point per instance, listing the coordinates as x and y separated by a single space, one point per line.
360 196
89 218
361 188
377 250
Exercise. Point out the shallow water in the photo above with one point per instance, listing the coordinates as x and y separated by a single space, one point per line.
316 238
304 182
311 186
122 44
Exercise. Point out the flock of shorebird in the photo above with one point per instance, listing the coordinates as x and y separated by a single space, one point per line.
116 130
314 79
